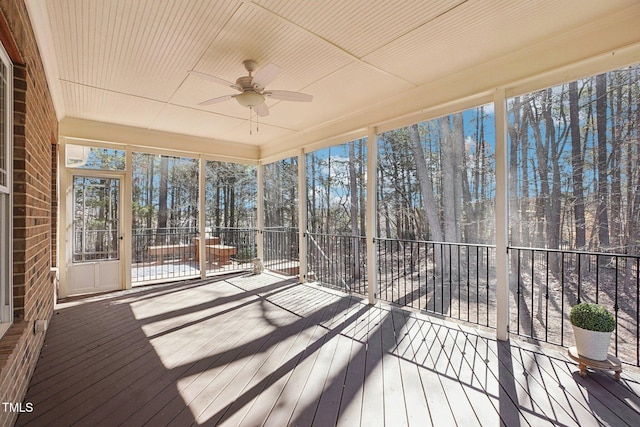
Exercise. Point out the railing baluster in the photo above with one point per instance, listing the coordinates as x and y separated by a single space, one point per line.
546 296
637 311
518 290
562 260
597 278
477 283
487 284
615 306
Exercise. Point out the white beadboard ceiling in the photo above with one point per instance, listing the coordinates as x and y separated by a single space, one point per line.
126 62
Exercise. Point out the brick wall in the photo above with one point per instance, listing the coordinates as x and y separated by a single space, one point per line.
35 130
54 204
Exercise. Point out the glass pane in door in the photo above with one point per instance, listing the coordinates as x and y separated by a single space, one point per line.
95 218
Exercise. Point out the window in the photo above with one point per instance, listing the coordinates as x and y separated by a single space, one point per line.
95 218
436 179
6 145
574 165
84 157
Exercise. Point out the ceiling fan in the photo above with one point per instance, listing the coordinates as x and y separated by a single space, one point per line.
252 88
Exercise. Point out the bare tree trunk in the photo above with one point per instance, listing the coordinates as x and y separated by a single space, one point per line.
426 189
150 188
525 214
577 164
543 209
603 175
617 217
328 194
312 199
362 173
218 216
353 184
162 201
449 204
458 170
554 202
232 202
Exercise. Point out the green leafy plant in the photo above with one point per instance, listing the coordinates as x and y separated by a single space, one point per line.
592 317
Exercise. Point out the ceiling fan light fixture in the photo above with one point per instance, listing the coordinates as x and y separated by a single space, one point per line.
249 98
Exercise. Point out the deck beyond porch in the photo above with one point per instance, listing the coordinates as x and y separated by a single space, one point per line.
264 350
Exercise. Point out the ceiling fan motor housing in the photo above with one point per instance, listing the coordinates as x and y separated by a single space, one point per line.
245 82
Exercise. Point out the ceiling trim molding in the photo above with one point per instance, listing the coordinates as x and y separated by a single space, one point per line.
152 139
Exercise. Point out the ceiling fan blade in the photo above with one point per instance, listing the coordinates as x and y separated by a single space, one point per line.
262 110
287 95
216 100
216 80
265 75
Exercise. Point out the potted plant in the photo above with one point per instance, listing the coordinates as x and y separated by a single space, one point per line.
592 327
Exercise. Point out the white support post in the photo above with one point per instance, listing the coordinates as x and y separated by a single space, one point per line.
302 216
260 213
371 216
502 217
127 215
202 217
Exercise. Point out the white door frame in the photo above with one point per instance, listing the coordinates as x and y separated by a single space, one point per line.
66 223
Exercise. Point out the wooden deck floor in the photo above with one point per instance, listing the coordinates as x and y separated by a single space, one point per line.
263 350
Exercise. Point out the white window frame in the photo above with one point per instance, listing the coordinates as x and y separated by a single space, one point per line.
6 203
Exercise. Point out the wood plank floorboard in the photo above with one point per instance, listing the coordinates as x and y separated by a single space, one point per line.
271 386
224 375
395 407
290 402
350 411
310 398
415 405
500 383
263 350
201 373
225 336
484 407
440 412
200 342
373 384
462 410
236 411
537 385
299 368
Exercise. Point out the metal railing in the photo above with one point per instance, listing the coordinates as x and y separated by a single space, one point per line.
243 239
337 261
455 280
165 253
173 253
546 283
281 250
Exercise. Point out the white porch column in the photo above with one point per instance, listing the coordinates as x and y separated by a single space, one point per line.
302 216
502 218
371 216
127 216
260 212
202 217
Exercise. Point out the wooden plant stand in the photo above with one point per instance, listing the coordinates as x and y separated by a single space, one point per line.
611 364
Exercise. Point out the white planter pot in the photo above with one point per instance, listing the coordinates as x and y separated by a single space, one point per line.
592 344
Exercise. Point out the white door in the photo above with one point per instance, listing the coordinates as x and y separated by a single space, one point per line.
95 235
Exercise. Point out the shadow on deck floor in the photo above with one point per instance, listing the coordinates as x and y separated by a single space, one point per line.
264 350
